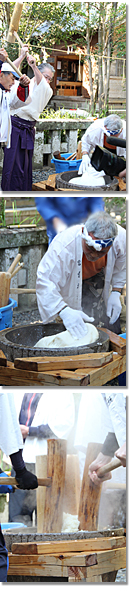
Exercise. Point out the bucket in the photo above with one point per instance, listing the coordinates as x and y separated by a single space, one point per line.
6 314
62 165
122 377
12 525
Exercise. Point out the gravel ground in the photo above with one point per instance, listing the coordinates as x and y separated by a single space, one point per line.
121 576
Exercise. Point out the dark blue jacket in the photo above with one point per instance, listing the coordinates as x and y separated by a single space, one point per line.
71 210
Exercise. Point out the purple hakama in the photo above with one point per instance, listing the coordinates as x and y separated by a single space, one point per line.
17 166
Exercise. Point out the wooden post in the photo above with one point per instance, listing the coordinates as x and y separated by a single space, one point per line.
90 494
56 466
72 485
41 472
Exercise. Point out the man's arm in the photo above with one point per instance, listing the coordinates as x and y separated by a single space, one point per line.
23 54
32 63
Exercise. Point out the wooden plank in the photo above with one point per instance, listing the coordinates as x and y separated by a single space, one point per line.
67 558
68 545
117 343
41 470
97 377
72 485
10 376
38 571
51 182
76 574
101 375
104 562
89 494
108 562
65 362
3 360
56 466
41 186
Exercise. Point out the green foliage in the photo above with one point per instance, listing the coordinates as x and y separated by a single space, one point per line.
59 114
2 211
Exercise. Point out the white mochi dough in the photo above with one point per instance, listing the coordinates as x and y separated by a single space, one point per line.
64 339
70 523
88 180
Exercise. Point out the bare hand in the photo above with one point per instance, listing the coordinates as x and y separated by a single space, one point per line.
3 54
24 431
59 225
121 454
24 80
24 51
100 461
122 174
31 60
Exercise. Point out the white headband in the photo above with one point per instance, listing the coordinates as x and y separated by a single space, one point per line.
90 241
97 243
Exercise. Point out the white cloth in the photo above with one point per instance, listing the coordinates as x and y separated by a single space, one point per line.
56 410
95 419
8 100
59 274
117 411
39 95
10 435
93 424
94 135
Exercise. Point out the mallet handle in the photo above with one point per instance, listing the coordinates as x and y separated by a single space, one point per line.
19 40
13 66
13 265
108 467
13 482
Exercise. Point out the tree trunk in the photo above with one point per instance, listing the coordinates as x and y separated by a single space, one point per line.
89 60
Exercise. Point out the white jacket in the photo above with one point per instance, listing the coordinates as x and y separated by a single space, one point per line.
39 95
58 412
94 135
59 274
8 100
10 435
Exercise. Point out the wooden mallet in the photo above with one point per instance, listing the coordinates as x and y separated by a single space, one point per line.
90 493
14 24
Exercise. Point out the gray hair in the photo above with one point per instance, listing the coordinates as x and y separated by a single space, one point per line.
45 65
101 225
113 123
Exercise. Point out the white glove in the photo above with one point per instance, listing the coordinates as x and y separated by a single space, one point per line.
74 321
84 164
114 306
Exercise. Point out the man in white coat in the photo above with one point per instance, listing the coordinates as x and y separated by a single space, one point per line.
84 265
17 166
97 133
9 97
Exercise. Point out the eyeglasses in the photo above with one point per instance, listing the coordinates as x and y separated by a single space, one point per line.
48 77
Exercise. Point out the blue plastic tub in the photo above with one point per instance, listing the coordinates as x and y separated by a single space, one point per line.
12 525
122 377
6 314
63 166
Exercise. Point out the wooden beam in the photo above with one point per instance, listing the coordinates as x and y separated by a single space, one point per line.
117 343
108 562
100 376
66 362
93 544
